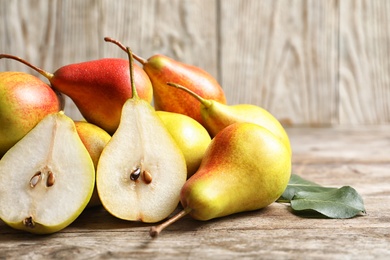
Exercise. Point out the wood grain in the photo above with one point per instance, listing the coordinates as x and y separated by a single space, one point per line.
51 34
282 56
307 62
364 64
334 157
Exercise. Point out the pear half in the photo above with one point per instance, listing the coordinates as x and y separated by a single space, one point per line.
141 170
47 178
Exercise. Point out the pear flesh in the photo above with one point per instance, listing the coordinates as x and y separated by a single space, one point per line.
47 178
141 170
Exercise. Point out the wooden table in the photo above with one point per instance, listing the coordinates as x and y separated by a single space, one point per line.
359 157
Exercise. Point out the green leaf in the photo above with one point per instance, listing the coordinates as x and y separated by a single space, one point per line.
335 203
305 196
297 184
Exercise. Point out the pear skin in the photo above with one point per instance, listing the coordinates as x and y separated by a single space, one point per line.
191 137
216 116
162 69
94 139
245 168
24 101
99 88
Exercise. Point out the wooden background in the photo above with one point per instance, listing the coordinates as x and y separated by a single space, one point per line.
311 63
320 66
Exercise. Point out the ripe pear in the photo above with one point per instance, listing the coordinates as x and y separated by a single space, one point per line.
191 137
141 170
216 116
99 88
94 139
47 178
24 101
162 69
245 168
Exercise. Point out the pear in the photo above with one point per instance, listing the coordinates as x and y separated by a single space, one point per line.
141 170
245 168
47 178
217 116
94 139
99 88
162 69
24 101
191 137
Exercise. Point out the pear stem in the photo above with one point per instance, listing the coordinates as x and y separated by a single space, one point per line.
44 73
138 58
156 230
131 66
131 63
109 39
205 102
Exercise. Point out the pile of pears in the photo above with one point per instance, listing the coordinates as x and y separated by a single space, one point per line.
156 137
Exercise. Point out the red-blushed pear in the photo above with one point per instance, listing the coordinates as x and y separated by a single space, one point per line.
216 116
99 88
245 168
162 69
47 178
94 139
24 101
141 170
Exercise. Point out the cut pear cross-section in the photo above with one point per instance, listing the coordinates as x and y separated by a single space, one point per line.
47 178
141 169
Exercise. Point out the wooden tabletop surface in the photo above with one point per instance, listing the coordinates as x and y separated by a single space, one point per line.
358 157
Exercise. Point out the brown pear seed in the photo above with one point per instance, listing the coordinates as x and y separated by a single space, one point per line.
147 177
50 179
29 222
134 175
35 179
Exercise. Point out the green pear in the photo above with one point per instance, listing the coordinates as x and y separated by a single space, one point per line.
24 101
191 137
94 139
141 170
99 88
47 178
245 168
162 69
217 116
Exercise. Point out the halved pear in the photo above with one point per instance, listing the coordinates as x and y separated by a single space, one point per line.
47 178
141 170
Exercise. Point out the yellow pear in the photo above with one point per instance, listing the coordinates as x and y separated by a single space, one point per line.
245 168
191 137
217 116
94 139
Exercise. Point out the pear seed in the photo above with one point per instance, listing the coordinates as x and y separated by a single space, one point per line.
147 177
50 179
135 174
29 222
35 179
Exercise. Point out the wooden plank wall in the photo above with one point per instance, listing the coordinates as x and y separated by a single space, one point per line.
309 62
